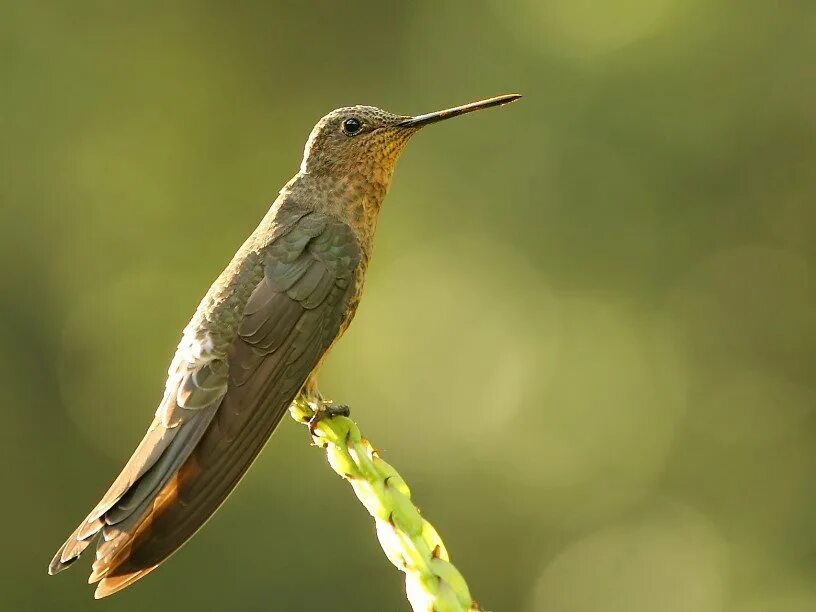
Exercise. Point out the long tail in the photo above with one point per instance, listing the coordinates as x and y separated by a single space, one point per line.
175 480
131 497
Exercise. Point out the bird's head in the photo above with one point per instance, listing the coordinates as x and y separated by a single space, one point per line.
359 146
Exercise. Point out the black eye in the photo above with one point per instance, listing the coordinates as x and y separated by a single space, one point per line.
352 125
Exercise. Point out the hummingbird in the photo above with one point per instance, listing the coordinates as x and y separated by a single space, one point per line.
255 343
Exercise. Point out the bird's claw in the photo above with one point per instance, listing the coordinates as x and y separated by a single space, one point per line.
326 410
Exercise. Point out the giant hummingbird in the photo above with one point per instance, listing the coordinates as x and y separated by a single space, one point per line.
255 343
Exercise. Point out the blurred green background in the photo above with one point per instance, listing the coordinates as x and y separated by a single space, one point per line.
589 335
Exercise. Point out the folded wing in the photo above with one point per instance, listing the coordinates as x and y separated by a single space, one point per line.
216 417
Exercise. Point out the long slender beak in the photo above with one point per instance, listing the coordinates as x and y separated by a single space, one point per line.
420 120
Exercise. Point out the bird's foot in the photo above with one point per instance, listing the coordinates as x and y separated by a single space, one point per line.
327 410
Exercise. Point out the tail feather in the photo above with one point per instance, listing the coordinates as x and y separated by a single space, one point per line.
114 584
156 459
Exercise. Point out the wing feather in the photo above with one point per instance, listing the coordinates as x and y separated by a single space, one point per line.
225 408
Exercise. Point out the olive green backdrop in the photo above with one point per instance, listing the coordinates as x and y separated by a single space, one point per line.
589 335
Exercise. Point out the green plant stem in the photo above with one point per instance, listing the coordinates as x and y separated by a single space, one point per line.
410 542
